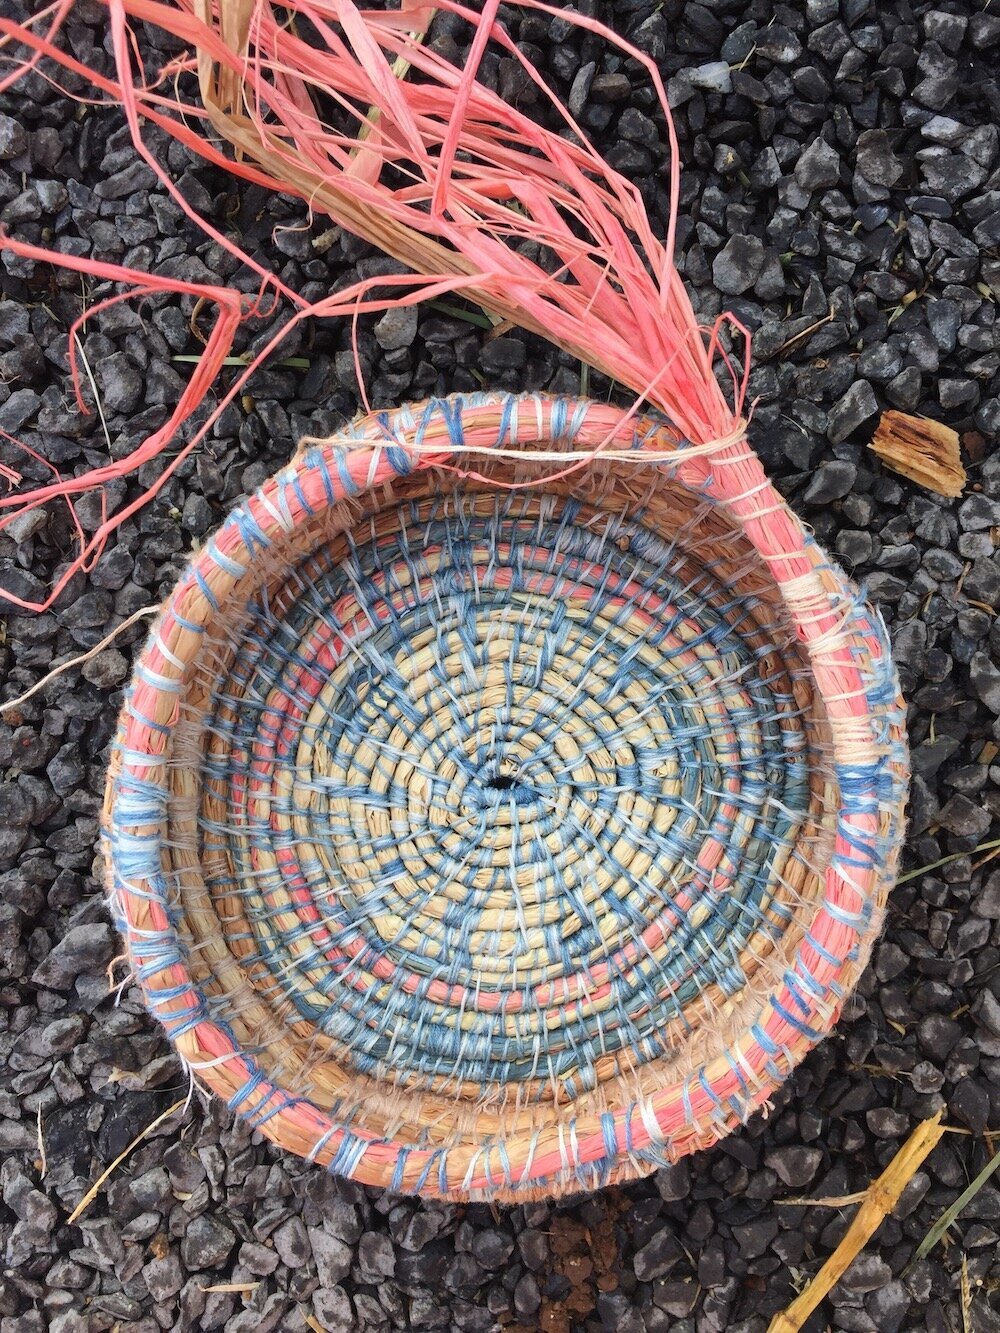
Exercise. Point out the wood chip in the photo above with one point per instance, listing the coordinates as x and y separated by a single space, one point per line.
925 451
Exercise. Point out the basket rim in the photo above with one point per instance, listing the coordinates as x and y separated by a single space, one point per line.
369 454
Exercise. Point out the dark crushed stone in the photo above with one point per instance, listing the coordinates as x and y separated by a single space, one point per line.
658 1256
331 1256
13 139
82 949
738 265
818 166
795 1164
857 406
503 354
206 1243
831 481
397 328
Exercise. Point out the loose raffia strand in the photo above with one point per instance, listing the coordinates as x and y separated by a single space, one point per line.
232 309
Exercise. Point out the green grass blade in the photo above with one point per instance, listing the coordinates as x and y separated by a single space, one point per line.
949 1214
459 312
945 860
290 362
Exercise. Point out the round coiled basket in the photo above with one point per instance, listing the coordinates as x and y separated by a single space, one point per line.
487 826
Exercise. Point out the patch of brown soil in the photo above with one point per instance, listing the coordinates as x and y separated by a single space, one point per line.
588 1258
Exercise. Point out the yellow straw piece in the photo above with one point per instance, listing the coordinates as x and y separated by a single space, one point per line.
880 1199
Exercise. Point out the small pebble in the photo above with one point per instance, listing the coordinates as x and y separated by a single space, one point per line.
397 328
13 138
82 949
794 1164
332 1257
715 77
657 1256
868 1272
738 265
206 1243
818 166
857 406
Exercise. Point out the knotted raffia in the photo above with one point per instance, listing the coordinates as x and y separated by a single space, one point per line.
512 832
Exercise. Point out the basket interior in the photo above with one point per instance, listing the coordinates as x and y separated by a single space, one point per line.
492 810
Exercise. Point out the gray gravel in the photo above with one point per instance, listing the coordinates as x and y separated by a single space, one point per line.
842 195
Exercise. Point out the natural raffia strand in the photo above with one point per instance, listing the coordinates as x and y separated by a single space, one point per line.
486 827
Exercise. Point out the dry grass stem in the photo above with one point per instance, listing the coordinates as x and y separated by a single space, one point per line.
50 676
95 1189
946 860
42 1163
880 1198
798 338
841 1201
966 1297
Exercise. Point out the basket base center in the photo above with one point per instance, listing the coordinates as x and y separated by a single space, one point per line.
502 784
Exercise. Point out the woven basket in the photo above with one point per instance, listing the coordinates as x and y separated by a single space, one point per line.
503 835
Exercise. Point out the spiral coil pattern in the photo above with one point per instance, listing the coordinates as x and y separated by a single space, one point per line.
513 737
